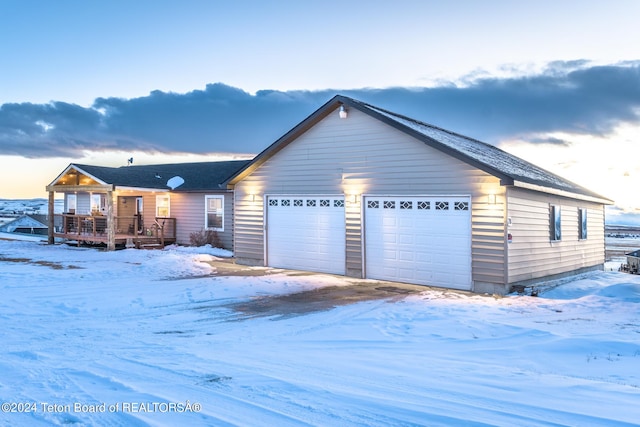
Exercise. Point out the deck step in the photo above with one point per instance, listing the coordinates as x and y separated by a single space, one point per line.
151 246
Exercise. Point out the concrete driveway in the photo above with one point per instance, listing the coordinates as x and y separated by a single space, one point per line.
314 300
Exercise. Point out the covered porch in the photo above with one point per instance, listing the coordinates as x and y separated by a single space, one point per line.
96 213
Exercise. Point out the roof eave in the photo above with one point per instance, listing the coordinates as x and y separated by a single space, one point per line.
563 193
145 189
79 169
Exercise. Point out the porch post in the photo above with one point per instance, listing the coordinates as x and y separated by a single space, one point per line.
50 219
111 223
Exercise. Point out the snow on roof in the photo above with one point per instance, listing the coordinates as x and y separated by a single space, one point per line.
485 156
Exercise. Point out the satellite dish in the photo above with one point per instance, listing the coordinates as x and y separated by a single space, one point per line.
175 182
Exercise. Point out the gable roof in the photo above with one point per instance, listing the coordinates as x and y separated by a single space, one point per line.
197 176
33 221
511 170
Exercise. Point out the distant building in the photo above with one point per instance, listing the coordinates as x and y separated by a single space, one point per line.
27 224
633 261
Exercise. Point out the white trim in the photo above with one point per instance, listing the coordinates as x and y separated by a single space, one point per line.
206 211
562 193
151 190
72 166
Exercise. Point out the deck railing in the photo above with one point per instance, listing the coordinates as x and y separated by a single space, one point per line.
95 227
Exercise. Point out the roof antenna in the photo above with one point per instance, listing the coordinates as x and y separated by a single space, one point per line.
129 161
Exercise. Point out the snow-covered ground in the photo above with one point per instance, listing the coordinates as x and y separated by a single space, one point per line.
136 338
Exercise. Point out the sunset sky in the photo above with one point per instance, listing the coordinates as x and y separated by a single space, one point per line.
556 83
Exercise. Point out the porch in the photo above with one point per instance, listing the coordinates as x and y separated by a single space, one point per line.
127 231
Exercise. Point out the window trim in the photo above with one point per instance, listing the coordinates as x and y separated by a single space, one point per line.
206 211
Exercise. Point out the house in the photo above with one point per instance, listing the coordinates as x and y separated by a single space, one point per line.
633 261
144 205
360 191
28 224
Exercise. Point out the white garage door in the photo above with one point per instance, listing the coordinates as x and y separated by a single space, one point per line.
306 233
422 240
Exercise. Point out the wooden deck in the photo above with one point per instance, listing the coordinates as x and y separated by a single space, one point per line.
92 230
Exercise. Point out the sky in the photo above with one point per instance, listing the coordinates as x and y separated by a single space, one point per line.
557 83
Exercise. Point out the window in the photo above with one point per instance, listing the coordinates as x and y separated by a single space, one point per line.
214 214
96 204
461 206
162 206
555 220
406 205
71 203
582 223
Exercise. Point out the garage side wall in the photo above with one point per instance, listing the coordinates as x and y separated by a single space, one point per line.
361 155
533 254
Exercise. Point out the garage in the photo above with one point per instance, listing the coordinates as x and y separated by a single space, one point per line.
306 233
422 240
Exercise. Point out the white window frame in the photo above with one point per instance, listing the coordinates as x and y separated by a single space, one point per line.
206 211
160 204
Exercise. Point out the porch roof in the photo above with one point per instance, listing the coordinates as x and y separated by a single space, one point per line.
200 176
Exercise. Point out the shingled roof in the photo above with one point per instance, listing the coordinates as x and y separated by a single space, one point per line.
197 176
510 169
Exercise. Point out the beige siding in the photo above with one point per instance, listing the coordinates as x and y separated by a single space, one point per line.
149 208
189 211
532 254
361 155
353 237
127 209
248 226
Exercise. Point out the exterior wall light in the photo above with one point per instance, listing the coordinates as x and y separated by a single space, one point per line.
492 199
343 112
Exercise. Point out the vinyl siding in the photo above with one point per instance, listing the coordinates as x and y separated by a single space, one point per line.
189 211
361 155
83 203
532 254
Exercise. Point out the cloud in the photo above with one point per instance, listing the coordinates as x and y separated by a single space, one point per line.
551 140
571 97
